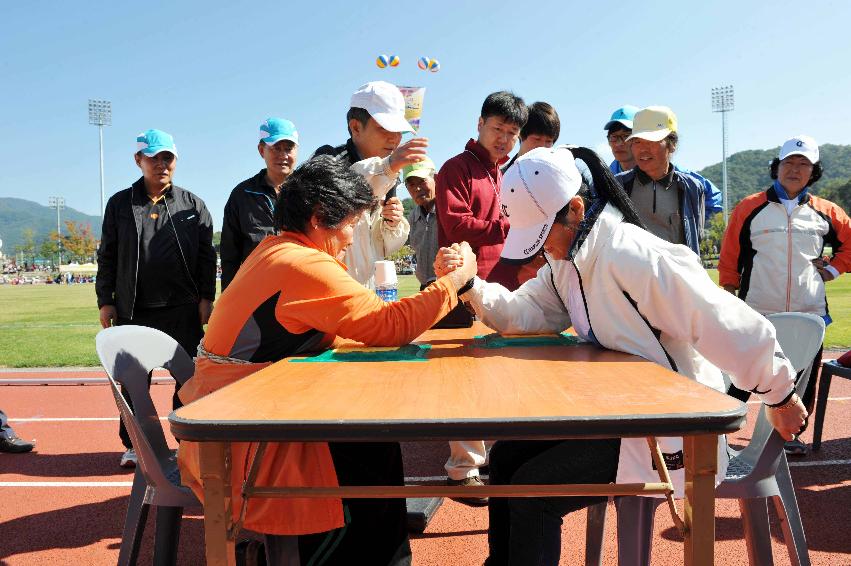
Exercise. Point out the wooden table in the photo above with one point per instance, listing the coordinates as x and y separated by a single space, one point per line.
464 392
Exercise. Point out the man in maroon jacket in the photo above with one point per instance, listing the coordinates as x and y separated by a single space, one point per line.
468 209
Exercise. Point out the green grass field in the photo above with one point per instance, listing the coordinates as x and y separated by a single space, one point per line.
55 325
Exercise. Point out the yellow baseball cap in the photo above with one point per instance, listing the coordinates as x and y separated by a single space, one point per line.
653 123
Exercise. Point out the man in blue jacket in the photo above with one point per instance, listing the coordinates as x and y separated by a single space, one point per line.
674 204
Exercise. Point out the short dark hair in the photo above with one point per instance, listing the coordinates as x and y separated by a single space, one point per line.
818 171
507 106
359 114
543 121
617 127
323 186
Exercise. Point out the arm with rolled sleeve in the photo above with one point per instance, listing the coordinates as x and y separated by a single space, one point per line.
453 197
677 297
534 308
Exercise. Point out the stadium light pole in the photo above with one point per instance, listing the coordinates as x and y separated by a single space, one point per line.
59 204
722 101
100 115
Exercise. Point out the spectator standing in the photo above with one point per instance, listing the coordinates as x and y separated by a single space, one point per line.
772 250
674 205
419 180
468 209
251 205
156 262
376 122
541 130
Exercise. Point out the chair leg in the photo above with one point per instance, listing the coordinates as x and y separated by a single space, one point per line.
167 536
790 517
594 531
757 530
821 406
636 516
134 522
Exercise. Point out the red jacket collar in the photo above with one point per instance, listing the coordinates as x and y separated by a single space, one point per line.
477 149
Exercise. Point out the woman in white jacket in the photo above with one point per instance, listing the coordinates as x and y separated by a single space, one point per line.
624 289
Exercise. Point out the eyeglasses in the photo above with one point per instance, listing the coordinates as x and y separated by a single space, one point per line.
620 138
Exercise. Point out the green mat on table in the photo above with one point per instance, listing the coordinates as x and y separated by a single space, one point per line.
407 353
497 340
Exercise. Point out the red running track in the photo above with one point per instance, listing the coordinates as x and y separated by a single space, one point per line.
76 429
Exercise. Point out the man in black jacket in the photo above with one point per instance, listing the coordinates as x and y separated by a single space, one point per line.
156 261
251 205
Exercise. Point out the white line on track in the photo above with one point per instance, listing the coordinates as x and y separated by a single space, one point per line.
820 463
420 479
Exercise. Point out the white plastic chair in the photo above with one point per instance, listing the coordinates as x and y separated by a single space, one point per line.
755 474
129 354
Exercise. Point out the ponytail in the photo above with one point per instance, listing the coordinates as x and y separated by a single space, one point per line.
606 187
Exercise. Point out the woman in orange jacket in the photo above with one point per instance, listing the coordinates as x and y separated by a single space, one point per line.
290 297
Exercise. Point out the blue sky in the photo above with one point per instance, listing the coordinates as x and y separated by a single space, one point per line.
210 72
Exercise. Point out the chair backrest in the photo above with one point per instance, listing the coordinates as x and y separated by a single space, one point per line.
129 354
800 335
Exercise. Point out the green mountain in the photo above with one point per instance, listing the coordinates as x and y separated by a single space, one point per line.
17 214
747 171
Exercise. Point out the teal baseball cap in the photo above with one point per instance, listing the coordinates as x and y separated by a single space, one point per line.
274 130
623 115
152 142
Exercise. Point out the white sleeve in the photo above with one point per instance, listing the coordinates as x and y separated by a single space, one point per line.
533 308
394 238
377 173
676 296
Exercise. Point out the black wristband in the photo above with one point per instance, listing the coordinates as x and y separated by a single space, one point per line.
466 286
783 402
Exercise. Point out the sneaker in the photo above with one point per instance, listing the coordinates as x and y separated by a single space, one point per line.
128 459
15 445
796 447
470 481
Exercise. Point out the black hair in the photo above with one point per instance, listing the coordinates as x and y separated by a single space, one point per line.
506 105
617 127
672 140
606 189
818 171
543 121
359 114
323 186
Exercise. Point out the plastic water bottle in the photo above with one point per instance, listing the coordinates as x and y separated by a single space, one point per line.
386 283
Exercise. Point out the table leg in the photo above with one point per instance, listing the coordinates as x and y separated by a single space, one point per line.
701 463
217 513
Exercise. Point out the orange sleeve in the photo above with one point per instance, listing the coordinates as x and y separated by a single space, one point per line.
321 295
728 261
841 224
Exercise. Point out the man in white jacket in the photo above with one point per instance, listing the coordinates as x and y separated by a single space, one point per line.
621 288
376 122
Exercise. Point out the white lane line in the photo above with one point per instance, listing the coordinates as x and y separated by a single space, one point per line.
417 479
819 463
66 484
67 419
757 401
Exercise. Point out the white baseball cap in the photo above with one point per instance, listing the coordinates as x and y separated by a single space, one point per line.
800 145
539 184
385 104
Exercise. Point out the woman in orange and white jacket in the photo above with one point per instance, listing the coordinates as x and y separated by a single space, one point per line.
772 254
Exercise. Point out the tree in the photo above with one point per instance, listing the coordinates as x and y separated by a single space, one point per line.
710 245
408 205
49 248
404 252
27 247
79 242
